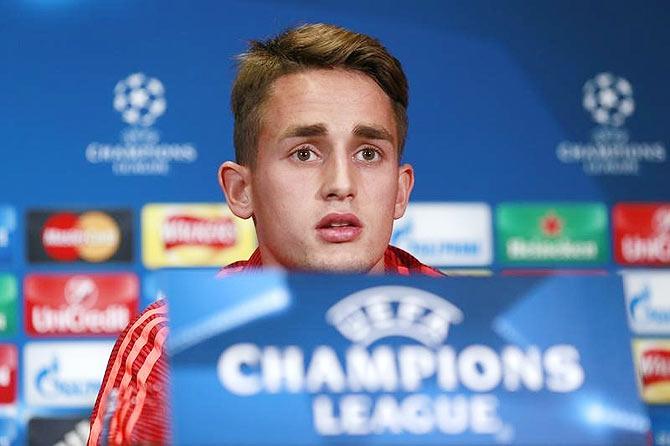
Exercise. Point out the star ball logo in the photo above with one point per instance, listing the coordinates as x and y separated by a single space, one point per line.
140 100
398 375
609 100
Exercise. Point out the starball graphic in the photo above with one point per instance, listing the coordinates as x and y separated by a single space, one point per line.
141 100
609 99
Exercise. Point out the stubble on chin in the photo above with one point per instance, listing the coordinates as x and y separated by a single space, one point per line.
352 263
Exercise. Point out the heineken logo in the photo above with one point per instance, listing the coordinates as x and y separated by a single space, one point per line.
546 233
551 225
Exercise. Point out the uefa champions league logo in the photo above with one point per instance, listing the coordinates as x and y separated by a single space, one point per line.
140 99
609 100
376 313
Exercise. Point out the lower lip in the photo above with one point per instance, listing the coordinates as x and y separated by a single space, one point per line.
340 234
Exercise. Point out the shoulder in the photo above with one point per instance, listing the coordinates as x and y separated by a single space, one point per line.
401 262
131 387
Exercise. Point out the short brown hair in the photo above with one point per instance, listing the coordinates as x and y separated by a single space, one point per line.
312 46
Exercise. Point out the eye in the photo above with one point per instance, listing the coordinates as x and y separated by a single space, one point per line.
368 154
304 154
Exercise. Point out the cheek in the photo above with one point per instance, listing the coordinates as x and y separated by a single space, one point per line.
280 192
381 189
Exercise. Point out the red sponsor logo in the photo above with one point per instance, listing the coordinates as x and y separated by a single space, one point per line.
187 230
655 366
79 305
8 365
93 236
641 234
551 225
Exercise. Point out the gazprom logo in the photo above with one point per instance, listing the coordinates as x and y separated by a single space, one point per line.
648 301
376 313
55 375
642 310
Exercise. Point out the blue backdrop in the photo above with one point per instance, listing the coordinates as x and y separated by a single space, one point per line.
501 109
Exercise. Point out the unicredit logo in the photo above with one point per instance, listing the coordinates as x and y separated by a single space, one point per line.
651 245
81 291
655 366
79 304
92 236
76 319
186 230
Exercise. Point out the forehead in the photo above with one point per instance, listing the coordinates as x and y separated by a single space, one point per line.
340 99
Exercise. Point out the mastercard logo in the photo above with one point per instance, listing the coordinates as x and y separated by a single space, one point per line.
91 236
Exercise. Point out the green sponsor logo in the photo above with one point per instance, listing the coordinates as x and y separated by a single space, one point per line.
8 299
549 233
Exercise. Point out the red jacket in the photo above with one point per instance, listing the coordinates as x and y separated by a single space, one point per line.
132 407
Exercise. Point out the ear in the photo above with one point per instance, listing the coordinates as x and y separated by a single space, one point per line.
405 185
235 181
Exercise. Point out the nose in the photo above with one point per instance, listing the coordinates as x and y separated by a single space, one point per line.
339 182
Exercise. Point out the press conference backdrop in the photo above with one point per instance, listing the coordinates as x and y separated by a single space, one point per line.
538 132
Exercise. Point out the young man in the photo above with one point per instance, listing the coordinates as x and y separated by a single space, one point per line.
320 124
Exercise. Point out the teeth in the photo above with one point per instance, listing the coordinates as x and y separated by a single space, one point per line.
339 225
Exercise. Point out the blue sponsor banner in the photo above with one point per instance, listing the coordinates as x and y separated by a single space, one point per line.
270 359
7 231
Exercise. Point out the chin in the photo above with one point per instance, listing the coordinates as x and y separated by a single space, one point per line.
339 264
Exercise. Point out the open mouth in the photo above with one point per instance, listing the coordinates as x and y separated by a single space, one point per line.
339 228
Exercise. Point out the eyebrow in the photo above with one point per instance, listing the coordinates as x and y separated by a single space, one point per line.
305 131
372 132
361 131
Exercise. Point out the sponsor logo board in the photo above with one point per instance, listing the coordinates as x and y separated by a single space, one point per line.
8 301
609 100
652 363
8 373
79 304
446 234
552 233
7 231
194 235
641 233
89 236
70 431
647 301
64 374
140 100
